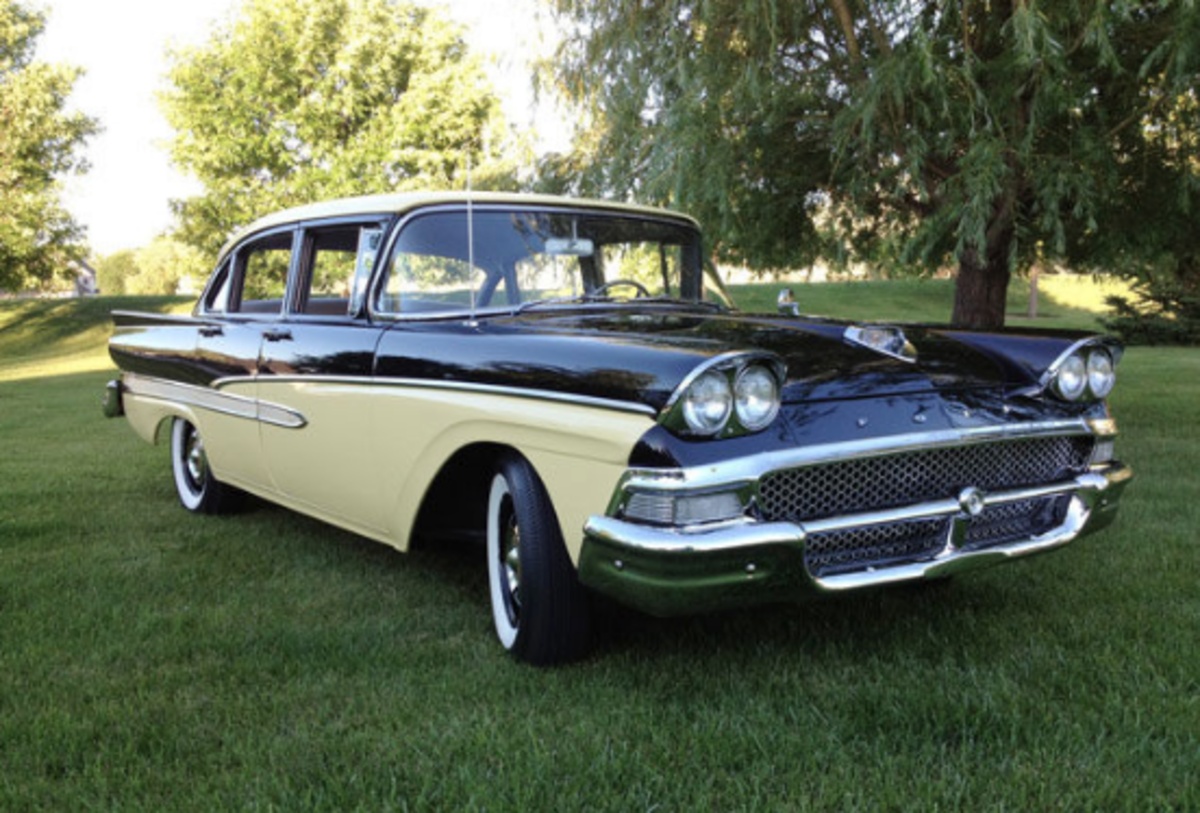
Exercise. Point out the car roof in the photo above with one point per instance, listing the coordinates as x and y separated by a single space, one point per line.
404 202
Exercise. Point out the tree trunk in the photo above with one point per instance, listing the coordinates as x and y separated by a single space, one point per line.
981 291
1034 273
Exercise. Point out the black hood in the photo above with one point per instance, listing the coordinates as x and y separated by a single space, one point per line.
821 364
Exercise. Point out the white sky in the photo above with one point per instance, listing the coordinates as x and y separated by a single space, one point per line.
123 200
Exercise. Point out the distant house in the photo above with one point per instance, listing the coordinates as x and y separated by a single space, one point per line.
85 279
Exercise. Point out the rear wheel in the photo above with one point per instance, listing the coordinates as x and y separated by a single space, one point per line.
539 607
198 489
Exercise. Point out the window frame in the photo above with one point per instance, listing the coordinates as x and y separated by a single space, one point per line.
301 274
233 264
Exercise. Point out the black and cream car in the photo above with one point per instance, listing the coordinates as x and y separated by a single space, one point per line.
565 379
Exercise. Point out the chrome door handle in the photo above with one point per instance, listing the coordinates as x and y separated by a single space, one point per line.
212 330
277 335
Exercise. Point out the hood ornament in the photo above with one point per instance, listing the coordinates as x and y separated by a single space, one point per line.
786 303
890 341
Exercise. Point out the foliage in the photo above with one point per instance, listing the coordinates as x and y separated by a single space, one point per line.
297 100
909 133
157 268
1166 310
114 270
39 143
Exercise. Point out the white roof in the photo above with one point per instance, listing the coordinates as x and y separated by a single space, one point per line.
401 202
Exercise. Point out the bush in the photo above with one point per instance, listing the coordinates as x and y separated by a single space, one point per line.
1166 309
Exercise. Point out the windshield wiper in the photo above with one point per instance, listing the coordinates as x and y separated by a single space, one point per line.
586 298
559 300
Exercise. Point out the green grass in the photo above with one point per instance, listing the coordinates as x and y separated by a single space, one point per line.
154 660
1065 301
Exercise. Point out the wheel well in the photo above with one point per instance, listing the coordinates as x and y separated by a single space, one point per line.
455 504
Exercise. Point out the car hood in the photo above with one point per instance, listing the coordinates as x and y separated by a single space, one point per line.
821 364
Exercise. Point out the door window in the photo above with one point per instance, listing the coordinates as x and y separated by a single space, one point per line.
263 266
340 259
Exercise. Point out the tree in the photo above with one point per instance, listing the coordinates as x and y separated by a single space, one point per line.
162 264
113 271
39 143
909 133
297 100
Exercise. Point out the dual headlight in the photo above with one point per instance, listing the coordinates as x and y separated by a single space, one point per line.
737 396
1087 372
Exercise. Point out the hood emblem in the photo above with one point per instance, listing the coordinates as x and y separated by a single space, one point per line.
890 341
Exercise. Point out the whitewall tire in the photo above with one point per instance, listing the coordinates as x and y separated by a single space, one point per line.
198 489
539 608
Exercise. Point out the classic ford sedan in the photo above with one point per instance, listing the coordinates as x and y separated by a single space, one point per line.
565 380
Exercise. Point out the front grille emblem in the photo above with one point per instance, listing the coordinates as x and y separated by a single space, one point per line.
972 501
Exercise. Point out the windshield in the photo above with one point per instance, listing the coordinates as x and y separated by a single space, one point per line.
518 258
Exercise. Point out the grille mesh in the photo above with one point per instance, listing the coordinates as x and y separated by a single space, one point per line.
874 545
1017 520
866 484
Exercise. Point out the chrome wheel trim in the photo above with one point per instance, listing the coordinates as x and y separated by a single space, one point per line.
512 562
197 463
505 610
185 442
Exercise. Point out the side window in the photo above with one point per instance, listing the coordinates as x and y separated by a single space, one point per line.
217 300
263 267
340 259
428 271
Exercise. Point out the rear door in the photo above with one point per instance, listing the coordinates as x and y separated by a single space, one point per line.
316 366
244 304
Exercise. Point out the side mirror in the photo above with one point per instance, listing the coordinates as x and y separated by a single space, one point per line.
787 304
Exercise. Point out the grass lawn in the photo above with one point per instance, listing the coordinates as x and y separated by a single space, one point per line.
154 660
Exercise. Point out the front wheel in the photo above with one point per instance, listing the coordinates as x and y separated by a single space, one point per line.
198 489
539 607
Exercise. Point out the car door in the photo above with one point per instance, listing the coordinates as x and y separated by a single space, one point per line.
316 365
244 305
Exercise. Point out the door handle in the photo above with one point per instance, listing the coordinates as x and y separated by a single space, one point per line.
212 330
278 334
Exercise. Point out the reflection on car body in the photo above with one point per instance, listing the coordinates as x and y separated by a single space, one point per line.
561 378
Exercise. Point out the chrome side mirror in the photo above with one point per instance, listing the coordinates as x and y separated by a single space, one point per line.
787 304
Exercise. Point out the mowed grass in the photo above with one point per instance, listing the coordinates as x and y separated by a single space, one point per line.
1065 300
155 660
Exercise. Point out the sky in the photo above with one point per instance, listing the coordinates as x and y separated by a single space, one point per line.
121 44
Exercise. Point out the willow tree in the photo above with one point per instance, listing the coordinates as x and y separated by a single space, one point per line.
919 134
296 100
40 143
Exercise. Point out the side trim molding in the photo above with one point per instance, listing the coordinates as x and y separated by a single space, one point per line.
463 386
238 406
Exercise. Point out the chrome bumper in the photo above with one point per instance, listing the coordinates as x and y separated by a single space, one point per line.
113 403
672 571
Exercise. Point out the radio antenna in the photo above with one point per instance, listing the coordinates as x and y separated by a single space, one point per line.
470 240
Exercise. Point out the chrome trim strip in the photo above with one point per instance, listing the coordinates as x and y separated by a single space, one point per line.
729 537
466 386
239 406
752 468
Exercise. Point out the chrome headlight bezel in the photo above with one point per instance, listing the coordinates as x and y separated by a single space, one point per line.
681 418
706 391
1085 372
755 417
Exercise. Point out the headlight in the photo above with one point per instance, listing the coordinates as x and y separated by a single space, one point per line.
1100 374
1072 377
707 404
756 397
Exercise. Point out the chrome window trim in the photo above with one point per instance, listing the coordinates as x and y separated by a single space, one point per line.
464 386
238 406
749 470
385 258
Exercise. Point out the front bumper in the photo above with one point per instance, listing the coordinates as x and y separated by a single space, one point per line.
672 571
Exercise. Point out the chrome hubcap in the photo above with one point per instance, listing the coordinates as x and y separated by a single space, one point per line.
510 553
194 459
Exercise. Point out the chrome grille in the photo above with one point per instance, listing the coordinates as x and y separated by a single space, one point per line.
874 545
1016 520
910 541
871 483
